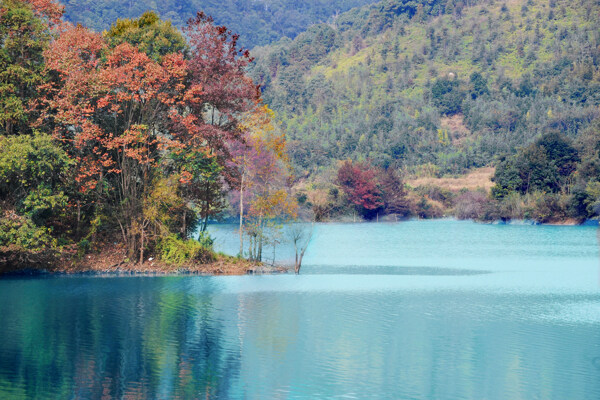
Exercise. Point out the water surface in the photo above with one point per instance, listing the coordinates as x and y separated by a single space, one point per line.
425 309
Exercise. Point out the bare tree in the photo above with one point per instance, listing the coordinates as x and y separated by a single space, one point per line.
301 235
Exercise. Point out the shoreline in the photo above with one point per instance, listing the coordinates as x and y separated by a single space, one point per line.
110 261
38 273
387 219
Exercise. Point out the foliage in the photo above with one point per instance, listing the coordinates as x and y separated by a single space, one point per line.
545 165
447 96
149 34
177 252
258 22
20 231
358 183
394 195
262 194
33 183
30 162
24 34
392 73
138 128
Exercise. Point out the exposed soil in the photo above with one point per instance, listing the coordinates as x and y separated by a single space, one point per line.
479 178
111 259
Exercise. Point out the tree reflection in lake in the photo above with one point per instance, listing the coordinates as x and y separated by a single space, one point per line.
162 339
439 309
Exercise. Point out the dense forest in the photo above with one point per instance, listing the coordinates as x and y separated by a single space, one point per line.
438 87
258 22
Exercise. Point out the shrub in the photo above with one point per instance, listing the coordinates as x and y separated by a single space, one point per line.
426 208
22 232
437 193
173 250
470 205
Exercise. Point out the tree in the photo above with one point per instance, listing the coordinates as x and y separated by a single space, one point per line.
25 31
479 85
301 236
34 174
358 182
447 96
202 185
261 193
560 151
113 108
393 193
545 165
149 34
219 90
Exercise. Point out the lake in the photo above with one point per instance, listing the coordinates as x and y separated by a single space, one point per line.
413 310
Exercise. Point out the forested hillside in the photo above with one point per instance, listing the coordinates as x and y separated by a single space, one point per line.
435 82
258 22
435 87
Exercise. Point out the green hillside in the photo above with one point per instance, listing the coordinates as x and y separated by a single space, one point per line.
438 84
258 21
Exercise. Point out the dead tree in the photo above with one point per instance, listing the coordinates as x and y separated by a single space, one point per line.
301 236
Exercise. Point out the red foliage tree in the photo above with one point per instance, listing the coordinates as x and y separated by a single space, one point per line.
359 183
125 117
111 108
219 90
48 9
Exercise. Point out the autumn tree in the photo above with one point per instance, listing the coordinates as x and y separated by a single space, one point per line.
112 107
132 115
219 91
358 182
262 194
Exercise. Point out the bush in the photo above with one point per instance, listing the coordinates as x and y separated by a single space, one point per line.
425 208
470 205
437 193
173 250
22 232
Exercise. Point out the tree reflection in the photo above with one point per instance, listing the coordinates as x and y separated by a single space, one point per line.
113 338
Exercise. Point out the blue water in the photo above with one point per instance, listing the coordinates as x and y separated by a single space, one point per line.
413 310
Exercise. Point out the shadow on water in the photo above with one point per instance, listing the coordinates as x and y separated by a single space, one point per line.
390 270
133 338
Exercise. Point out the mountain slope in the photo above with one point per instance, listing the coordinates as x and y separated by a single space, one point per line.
435 83
257 21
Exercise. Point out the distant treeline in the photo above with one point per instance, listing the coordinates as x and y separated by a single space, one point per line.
258 22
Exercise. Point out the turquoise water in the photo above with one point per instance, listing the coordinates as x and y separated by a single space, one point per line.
414 310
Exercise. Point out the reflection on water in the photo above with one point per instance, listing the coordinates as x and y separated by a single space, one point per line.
507 331
87 337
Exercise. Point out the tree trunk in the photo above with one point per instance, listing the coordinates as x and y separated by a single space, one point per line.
206 206
78 218
142 247
184 227
242 216
260 239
